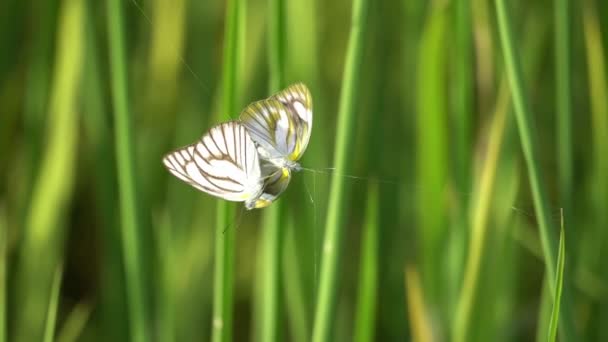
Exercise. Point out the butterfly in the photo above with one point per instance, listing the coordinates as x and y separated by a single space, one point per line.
225 163
250 160
281 126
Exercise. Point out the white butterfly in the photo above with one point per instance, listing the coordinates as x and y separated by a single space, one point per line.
281 126
225 163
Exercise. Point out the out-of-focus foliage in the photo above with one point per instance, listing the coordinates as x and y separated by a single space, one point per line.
438 234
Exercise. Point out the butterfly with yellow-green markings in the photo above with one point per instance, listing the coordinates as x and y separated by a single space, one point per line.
249 160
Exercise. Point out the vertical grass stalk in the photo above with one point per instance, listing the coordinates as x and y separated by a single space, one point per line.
432 153
112 306
3 271
562 98
126 175
43 234
480 214
51 313
225 238
559 281
272 231
524 123
325 308
368 270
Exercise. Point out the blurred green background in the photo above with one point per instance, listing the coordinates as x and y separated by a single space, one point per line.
447 154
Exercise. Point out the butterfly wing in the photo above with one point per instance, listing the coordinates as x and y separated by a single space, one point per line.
281 124
223 163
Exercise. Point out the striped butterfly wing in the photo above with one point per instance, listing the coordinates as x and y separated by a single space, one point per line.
281 124
223 163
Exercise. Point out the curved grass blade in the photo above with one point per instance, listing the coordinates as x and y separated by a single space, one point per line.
524 123
559 281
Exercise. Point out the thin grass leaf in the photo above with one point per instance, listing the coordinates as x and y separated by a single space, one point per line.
563 100
43 234
51 313
559 281
295 295
272 239
524 123
3 271
418 312
432 152
126 175
480 214
223 297
368 270
337 201
75 323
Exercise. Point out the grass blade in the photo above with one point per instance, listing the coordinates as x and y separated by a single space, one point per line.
417 309
480 215
98 135
44 234
51 313
431 152
368 270
272 239
3 271
344 139
563 95
559 281
524 123
223 297
126 174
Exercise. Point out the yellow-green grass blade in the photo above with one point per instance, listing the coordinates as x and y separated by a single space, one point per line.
432 153
43 234
480 214
51 313
559 282
529 147
368 270
272 235
130 229
223 296
332 241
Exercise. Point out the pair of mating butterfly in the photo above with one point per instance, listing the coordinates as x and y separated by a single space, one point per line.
250 160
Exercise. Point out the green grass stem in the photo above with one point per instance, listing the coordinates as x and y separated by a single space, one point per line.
126 175
480 214
325 308
223 297
432 152
296 299
3 271
272 231
368 270
51 313
101 161
559 281
524 123
43 234
563 100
